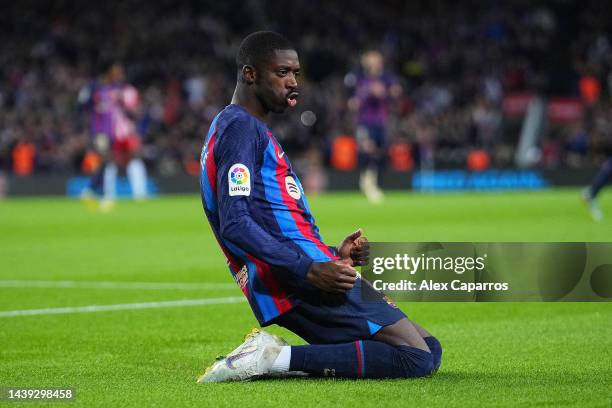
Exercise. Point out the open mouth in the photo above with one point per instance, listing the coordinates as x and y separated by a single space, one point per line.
292 99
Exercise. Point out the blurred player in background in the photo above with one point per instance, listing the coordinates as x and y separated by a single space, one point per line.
375 90
591 192
112 105
259 214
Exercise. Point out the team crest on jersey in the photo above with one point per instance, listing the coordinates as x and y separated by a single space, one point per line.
292 188
239 180
242 277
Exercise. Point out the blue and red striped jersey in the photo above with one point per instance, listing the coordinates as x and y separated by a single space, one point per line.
258 212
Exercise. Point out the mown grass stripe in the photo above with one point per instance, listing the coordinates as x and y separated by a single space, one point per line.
122 306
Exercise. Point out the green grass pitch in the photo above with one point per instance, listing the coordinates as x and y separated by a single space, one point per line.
502 354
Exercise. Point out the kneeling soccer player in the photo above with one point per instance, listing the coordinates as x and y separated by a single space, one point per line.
258 212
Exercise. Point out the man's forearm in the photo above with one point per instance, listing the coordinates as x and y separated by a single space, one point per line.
249 236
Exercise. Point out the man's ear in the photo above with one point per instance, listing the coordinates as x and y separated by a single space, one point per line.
249 74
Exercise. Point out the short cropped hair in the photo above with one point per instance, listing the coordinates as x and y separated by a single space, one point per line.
257 47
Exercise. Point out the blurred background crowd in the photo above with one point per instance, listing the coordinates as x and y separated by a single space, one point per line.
467 73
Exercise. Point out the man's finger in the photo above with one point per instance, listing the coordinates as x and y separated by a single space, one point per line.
339 291
345 286
360 254
355 235
348 271
346 261
362 242
346 279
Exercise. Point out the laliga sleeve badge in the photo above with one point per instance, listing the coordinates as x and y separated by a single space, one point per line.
239 180
292 188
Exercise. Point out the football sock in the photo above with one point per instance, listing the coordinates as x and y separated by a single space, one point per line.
137 174
436 350
602 178
361 359
281 364
110 181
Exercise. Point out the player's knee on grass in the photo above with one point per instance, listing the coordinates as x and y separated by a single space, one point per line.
436 351
415 362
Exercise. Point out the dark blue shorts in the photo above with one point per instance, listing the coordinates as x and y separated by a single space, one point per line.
376 134
323 318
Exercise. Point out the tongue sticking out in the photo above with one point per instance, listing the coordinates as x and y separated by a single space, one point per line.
292 99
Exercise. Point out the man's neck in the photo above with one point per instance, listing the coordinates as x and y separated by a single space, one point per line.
249 102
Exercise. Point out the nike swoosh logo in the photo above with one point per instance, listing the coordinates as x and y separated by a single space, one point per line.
280 155
230 360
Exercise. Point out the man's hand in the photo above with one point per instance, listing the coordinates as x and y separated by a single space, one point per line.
332 276
355 249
